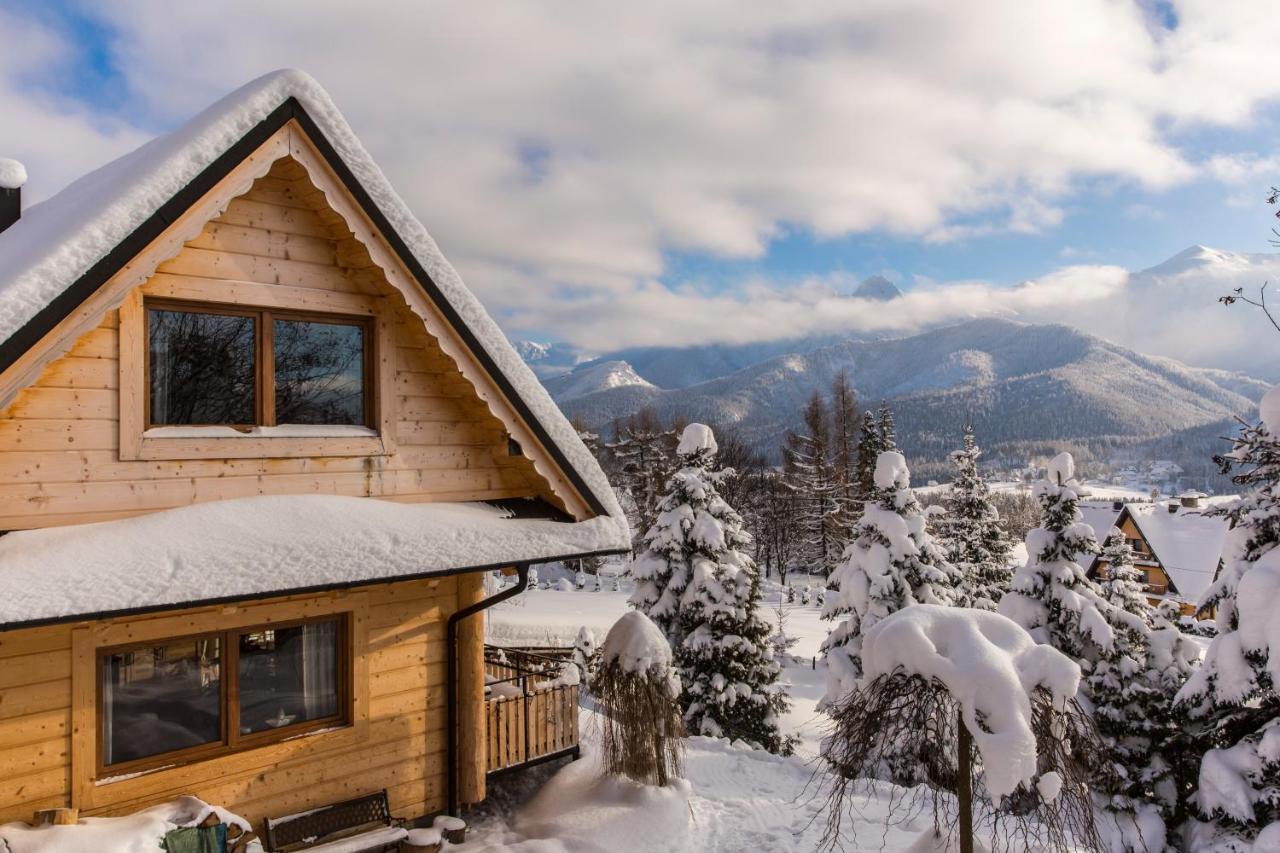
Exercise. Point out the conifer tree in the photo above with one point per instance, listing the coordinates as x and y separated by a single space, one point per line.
892 563
1123 585
807 458
1053 599
709 606
888 432
870 446
972 536
1232 699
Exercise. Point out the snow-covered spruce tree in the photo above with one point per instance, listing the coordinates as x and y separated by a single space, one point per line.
1232 699
697 583
1123 585
1053 599
869 448
971 535
888 432
891 563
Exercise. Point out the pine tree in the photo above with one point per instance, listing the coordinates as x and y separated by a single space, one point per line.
1124 584
1232 699
870 445
709 607
1131 708
807 458
973 538
891 563
1051 596
888 432
1053 599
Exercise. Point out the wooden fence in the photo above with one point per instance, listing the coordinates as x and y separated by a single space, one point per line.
529 716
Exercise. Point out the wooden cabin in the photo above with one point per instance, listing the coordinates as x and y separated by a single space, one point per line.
260 449
1175 545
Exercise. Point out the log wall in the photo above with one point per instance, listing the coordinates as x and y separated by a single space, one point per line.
401 745
60 438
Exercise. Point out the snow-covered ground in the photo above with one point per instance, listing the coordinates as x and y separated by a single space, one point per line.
735 799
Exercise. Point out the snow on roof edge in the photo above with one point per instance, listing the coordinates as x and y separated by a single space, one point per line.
264 546
59 240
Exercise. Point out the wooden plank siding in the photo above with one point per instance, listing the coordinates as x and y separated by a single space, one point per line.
60 438
402 749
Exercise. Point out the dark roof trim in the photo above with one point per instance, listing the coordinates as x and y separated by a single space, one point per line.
84 287
302 590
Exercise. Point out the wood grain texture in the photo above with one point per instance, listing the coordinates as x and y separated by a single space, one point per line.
72 449
48 717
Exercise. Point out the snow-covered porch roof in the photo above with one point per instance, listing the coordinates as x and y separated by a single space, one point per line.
270 545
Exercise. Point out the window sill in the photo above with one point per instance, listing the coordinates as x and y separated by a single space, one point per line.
286 441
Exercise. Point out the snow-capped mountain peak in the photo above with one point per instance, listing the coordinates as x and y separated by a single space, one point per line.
595 377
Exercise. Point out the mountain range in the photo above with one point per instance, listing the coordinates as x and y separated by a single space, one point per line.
1027 387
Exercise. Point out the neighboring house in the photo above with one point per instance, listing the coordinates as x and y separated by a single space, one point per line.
259 449
1175 544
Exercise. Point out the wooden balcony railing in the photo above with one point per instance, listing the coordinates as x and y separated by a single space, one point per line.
531 715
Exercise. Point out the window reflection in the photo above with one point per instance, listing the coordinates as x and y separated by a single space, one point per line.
319 372
288 676
202 368
161 699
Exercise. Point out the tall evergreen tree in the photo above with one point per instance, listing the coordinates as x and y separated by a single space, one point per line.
807 458
870 445
709 606
1123 585
1053 599
1232 699
973 538
888 431
891 563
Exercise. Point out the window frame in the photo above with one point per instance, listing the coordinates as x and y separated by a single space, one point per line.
264 385
231 742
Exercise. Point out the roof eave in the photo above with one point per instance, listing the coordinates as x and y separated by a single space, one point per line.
103 615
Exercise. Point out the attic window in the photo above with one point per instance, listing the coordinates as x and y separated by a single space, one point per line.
214 366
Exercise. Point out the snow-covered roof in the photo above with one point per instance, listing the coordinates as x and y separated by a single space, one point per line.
1187 543
1101 516
58 242
264 545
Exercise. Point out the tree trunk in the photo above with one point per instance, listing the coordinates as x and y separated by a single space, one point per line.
964 785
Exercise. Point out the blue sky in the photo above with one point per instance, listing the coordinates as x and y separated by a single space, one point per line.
610 190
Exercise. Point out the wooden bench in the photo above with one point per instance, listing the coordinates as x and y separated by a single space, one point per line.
361 825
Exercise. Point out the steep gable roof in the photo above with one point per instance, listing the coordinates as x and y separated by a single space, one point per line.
63 250
1188 545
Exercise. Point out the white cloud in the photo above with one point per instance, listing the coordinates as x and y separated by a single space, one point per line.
56 139
559 153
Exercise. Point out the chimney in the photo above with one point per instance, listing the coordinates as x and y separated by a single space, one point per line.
1173 507
12 176
1117 505
1191 500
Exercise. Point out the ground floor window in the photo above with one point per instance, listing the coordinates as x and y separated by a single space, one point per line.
188 698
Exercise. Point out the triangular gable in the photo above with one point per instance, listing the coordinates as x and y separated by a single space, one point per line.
74 257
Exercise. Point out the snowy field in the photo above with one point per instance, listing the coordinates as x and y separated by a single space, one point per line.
736 799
